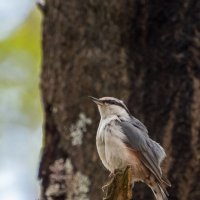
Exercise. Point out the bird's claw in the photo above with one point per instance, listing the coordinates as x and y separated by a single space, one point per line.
109 182
111 175
104 188
118 172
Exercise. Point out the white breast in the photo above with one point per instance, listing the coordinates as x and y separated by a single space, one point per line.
110 146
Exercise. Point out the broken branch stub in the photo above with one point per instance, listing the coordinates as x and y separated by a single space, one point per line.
120 187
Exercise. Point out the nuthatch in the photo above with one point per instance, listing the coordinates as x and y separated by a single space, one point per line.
122 140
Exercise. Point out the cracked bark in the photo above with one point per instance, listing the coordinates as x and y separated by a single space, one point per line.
120 187
144 52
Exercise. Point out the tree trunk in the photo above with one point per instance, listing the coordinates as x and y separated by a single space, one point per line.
144 52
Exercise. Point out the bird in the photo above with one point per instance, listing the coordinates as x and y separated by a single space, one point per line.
122 140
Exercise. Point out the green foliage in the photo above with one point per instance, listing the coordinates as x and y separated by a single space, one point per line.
20 60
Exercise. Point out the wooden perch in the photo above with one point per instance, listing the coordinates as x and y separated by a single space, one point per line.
120 187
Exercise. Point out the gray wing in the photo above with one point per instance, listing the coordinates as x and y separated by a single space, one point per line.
151 153
138 124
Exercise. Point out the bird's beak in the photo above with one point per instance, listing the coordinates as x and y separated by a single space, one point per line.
97 101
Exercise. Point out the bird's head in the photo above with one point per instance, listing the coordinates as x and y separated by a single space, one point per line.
109 106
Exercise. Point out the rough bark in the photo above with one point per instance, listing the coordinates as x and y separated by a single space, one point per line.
144 52
120 186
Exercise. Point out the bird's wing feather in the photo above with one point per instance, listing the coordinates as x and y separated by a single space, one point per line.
138 124
151 153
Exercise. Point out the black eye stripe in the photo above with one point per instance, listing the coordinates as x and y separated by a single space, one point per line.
112 102
115 103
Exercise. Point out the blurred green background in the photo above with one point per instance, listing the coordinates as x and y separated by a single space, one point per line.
20 104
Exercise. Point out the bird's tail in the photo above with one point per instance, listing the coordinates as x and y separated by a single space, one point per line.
159 191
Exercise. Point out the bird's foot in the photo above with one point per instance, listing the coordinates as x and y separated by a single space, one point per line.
118 172
109 182
112 175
